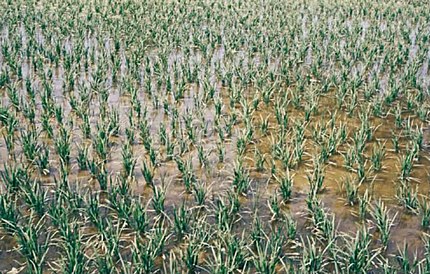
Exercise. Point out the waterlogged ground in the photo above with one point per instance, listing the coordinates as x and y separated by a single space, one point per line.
240 107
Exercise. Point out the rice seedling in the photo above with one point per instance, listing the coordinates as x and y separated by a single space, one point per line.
351 190
425 212
158 199
408 197
43 160
221 100
8 213
148 173
358 256
268 254
82 157
181 220
200 194
285 186
405 263
241 181
316 176
32 245
128 161
313 257
383 221
363 204
378 155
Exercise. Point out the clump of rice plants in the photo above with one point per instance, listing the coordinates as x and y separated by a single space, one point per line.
243 121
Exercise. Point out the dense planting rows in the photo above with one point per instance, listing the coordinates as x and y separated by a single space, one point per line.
199 136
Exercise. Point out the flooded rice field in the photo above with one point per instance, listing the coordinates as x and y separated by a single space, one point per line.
204 136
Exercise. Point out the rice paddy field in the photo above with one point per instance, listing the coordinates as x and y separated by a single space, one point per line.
214 136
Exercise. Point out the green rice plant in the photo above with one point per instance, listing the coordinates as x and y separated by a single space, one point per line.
139 219
158 199
92 208
9 215
82 157
424 265
286 156
43 160
58 110
418 138
191 256
229 123
72 243
358 256
153 157
313 260
128 161
264 125
119 203
13 177
423 112
241 145
85 126
101 144
99 172
148 173
227 255
46 125
268 254
144 255
170 149
202 155
221 151
233 202
408 197
285 186
363 174
274 207
181 221
200 194
13 95
406 164
398 116
299 149
218 104
241 180
395 141
323 222
29 144
35 197
9 136
113 127
129 133
425 213
406 264
349 159
62 145
163 134
259 160
188 176
383 221
351 190
289 226
363 204
316 176
408 126
32 245
378 155
223 217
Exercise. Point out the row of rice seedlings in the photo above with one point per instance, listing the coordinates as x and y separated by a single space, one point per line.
96 68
